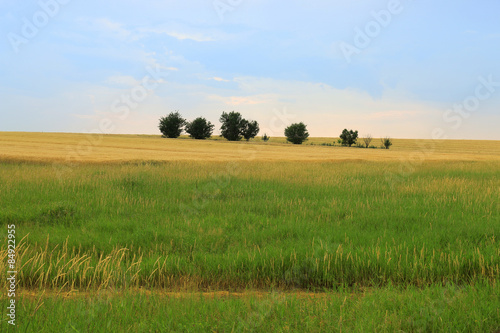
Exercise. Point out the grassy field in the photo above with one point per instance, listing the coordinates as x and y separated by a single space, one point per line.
379 240
431 309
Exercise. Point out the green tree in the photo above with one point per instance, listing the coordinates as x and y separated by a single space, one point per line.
250 130
349 137
232 126
200 129
171 125
296 133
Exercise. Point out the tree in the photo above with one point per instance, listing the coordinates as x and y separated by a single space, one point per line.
171 125
235 127
349 137
232 125
250 130
367 140
386 142
296 133
200 129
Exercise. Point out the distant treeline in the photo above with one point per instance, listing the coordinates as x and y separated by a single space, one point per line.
235 128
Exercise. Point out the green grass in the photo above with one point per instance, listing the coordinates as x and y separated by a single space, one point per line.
384 249
210 226
432 309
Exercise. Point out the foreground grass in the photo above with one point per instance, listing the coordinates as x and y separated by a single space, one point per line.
255 225
433 309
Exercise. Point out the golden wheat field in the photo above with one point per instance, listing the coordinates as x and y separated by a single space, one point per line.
95 148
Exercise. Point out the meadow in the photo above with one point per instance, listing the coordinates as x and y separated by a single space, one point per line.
331 238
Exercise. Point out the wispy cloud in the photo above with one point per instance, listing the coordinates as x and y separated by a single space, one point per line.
395 114
241 100
184 32
196 37
110 28
219 79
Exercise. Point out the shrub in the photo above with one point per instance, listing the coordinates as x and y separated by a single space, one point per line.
265 138
386 142
367 140
349 137
296 133
200 128
171 125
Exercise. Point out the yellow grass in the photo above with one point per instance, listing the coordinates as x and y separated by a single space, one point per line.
93 148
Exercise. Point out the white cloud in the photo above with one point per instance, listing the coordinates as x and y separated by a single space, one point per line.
242 100
327 110
184 32
196 37
110 28
219 79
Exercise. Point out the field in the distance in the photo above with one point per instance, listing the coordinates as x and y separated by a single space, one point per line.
94 148
400 239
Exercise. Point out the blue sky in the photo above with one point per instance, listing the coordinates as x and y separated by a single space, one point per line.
404 69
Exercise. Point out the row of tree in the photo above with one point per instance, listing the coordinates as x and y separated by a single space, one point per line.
297 134
234 128
350 137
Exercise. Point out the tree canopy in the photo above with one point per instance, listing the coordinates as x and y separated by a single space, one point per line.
296 133
171 126
200 128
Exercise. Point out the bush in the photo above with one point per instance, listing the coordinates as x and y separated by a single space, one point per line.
349 137
386 142
265 138
296 133
250 130
200 129
171 125
367 140
235 127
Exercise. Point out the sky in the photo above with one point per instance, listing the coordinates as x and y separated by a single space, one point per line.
397 68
